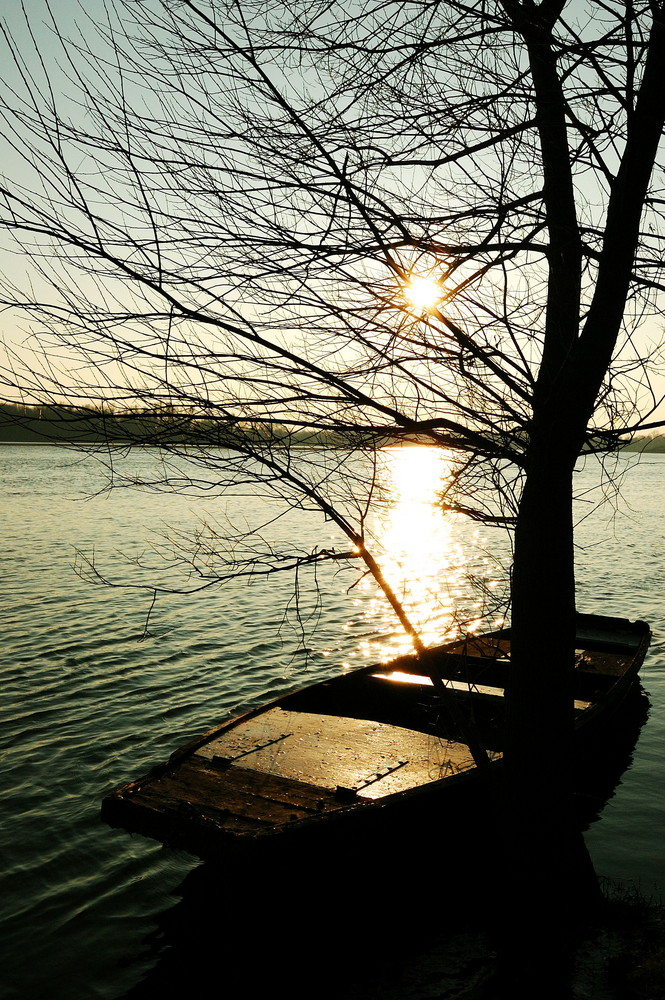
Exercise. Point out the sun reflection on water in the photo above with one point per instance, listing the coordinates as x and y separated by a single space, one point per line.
423 551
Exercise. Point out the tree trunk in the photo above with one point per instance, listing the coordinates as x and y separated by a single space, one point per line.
549 879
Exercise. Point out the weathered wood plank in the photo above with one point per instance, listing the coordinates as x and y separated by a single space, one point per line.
221 793
272 786
372 757
169 809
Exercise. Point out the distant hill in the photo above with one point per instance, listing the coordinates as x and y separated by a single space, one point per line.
651 444
60 424
55 424
81 425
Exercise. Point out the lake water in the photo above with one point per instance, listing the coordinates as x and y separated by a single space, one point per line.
91 697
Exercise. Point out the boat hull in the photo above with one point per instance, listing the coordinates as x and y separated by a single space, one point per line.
364 758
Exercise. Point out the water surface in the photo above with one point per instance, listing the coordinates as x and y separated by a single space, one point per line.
98 685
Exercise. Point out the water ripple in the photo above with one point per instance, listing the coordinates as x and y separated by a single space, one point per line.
85 705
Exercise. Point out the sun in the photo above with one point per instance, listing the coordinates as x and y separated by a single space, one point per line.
422 293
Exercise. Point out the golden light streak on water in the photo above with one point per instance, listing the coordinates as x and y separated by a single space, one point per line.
419 550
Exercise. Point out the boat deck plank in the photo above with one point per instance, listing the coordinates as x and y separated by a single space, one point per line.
283 766
233 799
327 751
227 793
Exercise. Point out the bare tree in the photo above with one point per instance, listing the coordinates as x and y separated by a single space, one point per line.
427 221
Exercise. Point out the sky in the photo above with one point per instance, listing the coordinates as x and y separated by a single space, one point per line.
16 264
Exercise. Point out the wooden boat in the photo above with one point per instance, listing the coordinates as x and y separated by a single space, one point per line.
362 752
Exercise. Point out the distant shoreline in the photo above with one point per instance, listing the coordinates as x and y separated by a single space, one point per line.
640 447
